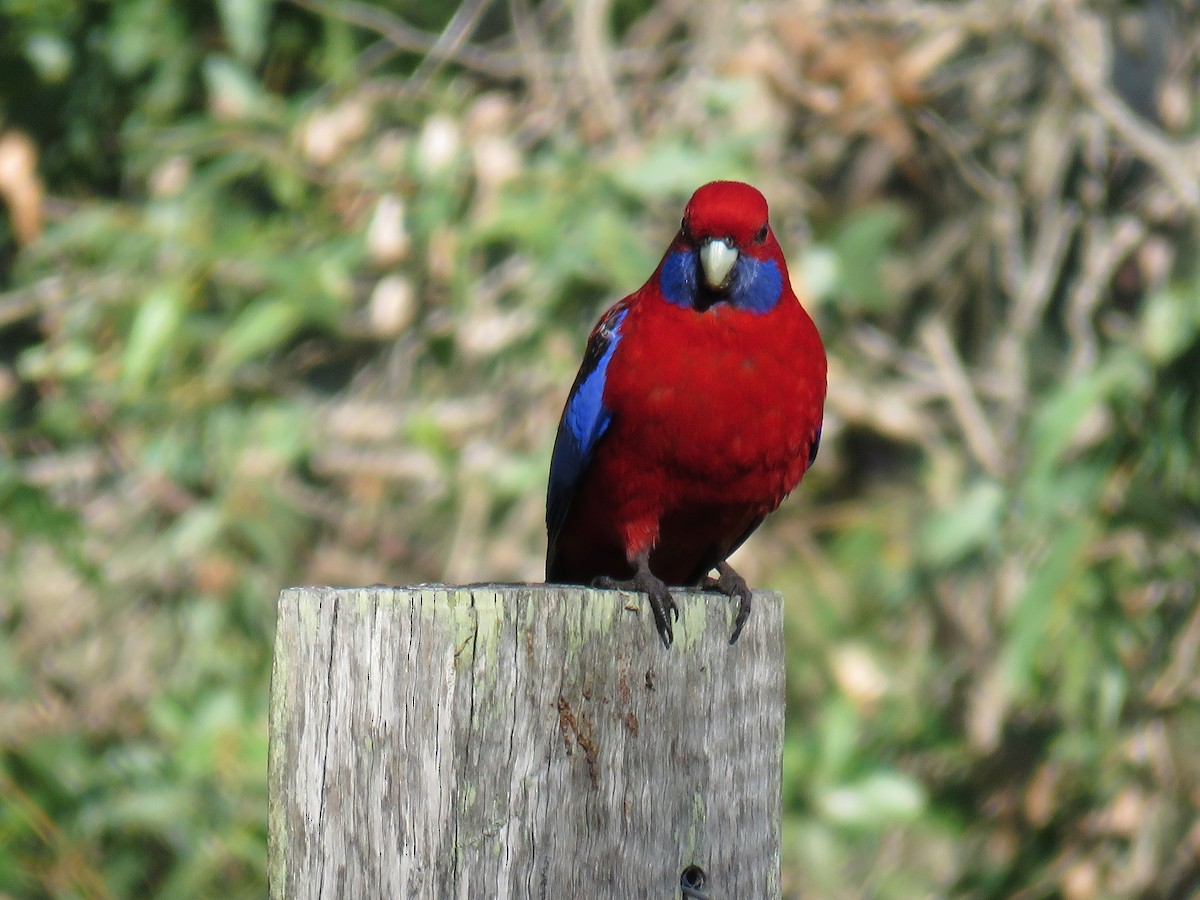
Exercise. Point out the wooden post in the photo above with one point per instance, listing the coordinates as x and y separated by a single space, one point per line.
513 741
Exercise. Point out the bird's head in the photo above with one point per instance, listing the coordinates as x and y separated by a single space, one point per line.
725 252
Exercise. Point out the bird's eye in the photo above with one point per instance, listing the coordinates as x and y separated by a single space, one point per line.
762 234
684 230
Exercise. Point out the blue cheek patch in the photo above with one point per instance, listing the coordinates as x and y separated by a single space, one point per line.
757 285
678 279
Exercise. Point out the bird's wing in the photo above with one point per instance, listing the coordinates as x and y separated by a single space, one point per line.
584 421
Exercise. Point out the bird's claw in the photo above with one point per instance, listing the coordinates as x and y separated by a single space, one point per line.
662 604
732 585
744 597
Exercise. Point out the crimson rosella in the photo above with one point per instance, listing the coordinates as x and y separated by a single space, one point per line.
696 411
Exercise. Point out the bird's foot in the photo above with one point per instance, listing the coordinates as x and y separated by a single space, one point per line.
661 602
733 585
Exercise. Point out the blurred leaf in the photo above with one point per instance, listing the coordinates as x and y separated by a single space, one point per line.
30 512
145 809
1111 694
862 244
675 168
951 534
621 255
196 531
71 359
1060 415
1058 420
245 23
820 272
233 92
1046 589
136 36
1169 322
838 730
262 326
50 55
879 798
151 336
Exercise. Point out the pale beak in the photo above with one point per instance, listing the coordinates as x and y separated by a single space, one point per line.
717 257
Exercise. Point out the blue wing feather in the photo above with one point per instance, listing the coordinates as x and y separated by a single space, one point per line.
584 421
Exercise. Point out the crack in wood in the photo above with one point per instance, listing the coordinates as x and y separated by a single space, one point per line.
569 725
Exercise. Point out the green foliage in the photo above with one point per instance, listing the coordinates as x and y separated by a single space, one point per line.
296 319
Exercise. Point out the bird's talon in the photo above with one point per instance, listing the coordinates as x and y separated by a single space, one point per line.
734 586
743 614
662 604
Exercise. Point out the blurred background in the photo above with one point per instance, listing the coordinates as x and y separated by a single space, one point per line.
292 292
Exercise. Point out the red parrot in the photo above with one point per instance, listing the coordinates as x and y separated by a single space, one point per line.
696 410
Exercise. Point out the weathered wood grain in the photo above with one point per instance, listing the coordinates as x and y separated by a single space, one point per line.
512 741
